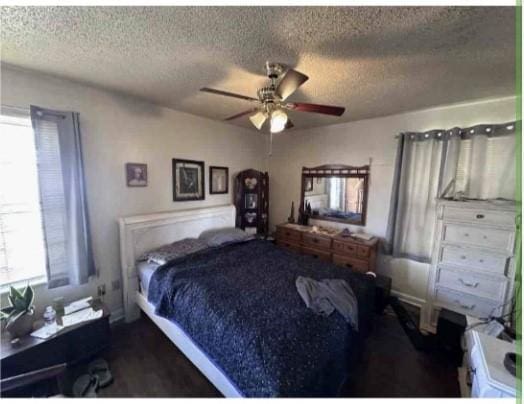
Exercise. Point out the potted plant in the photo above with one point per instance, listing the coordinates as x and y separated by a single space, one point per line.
19 316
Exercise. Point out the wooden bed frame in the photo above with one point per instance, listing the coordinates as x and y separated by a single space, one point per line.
142 233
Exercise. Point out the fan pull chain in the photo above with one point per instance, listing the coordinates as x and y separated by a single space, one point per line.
270 151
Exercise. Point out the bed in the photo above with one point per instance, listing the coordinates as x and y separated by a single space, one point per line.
234 311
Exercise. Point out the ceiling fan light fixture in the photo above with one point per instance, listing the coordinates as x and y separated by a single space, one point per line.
269 104
258 119
278 121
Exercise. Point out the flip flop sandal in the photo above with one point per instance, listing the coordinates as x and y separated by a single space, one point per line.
86 386
100 368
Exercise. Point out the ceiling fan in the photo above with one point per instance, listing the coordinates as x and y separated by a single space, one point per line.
271 102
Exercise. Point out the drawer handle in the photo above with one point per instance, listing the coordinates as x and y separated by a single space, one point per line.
485 237
479 216
466 234
465 306
468 284
481 260
463 257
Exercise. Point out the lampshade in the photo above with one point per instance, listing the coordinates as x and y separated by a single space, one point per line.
278 121
258 119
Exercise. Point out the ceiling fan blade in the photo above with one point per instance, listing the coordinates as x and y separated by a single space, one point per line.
289 124
227 94
291 81
319 109
258 119
249 111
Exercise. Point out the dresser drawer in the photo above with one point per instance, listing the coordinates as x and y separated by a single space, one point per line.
345 248
315 240
479 216
350 262
289 245
479 236
465 303
312 252
289 234
470 282
363 251
474 258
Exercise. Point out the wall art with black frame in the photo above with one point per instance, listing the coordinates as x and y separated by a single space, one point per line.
188 180
218 180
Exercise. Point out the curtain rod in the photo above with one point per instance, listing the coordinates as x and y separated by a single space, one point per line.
27 111
42 111
487 129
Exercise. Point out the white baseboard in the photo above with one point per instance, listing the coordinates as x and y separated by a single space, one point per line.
424 323
116 315
413 300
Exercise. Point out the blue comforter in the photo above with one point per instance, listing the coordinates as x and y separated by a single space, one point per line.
239 304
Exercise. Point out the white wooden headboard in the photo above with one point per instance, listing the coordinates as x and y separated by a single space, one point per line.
142 233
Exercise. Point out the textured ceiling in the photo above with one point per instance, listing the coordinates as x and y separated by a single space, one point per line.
375 61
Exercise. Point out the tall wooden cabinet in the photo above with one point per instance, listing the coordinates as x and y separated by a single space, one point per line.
252 201
473 261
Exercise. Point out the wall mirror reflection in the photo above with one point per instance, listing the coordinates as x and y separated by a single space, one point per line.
336 193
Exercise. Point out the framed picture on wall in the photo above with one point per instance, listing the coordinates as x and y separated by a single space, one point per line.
188 180
218 180
136 175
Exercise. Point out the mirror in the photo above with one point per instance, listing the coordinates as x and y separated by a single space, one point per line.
336 193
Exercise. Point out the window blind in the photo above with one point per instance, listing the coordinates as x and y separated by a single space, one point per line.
52 199
22 254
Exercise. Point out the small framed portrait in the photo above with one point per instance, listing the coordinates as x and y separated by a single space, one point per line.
136 174
188 180
309 184
218 180
251 201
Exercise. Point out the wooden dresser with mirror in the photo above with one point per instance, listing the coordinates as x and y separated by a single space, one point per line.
335 193
356 254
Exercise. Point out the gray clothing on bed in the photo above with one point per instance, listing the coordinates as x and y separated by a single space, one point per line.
327 295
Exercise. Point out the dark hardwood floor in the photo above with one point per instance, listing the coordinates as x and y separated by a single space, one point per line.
392 367
146 364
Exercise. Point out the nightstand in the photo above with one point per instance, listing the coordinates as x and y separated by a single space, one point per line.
70 345
483 373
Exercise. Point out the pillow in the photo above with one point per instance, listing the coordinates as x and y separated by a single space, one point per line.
226 235
172 251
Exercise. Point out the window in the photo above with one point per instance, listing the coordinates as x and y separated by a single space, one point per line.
486 167
22 252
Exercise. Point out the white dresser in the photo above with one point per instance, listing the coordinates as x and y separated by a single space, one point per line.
483 373
473 269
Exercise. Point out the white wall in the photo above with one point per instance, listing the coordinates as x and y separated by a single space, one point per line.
354 144
118 129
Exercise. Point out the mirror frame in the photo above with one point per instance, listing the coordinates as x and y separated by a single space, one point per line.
337 171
